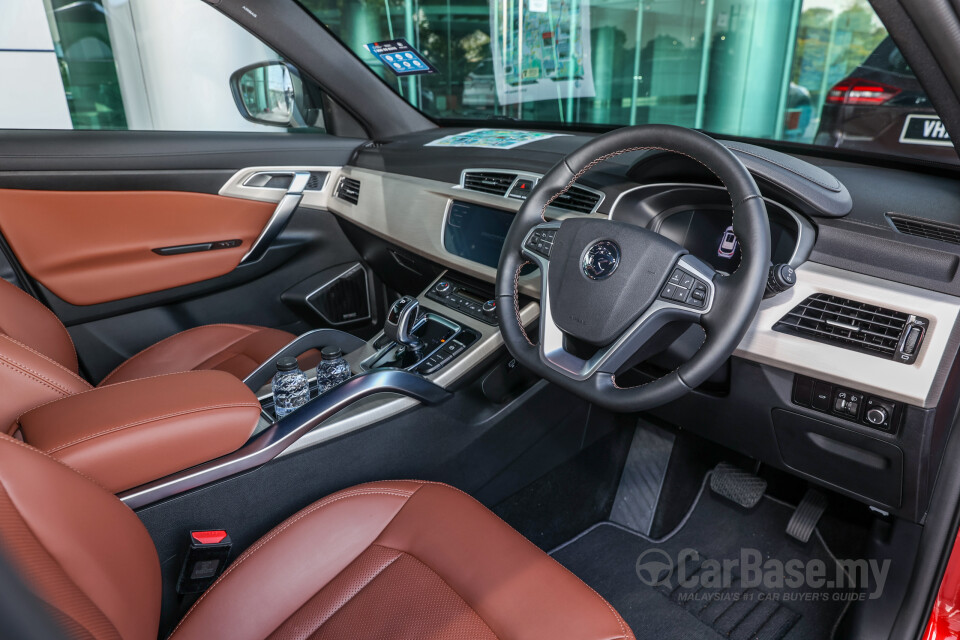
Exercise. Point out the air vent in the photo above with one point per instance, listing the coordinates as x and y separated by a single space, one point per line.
491 182
856 325
316 181
348 189
579 199
922 228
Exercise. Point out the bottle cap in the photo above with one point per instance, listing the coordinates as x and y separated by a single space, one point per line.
331 353
287 363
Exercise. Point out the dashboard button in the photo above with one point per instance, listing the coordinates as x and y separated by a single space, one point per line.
802 390
822 394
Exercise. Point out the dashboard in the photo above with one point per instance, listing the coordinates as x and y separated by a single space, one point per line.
431 202
786 396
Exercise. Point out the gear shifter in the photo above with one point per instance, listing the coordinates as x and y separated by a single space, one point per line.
402 319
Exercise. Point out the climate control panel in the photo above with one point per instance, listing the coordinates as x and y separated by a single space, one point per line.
467 299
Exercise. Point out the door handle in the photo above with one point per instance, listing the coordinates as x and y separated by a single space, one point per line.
281 215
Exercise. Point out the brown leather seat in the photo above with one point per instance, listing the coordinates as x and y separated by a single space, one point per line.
404 559
38 362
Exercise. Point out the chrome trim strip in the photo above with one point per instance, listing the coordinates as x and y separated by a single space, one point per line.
270 442
281 216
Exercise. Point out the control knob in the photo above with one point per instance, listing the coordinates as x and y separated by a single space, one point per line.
442 287
780 278
489 308
877 415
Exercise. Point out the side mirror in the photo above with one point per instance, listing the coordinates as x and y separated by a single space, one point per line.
264 93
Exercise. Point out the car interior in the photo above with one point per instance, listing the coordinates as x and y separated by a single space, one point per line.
646 381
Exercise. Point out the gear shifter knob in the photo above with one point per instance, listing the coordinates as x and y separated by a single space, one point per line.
401 321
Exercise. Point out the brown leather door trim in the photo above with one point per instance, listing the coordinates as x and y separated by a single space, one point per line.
90 247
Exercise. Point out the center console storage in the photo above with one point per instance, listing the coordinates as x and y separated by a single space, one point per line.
126 435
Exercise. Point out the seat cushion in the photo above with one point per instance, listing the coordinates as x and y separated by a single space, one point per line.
235 348
397 560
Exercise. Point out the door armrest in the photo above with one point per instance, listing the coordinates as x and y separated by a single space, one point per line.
127 434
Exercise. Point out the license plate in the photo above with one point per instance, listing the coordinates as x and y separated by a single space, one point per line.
924 129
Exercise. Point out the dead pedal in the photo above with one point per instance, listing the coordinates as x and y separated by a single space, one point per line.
737 485
808 513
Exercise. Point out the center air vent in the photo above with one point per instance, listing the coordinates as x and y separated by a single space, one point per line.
856 325
348 189
491 182
922 228
579 199
498 183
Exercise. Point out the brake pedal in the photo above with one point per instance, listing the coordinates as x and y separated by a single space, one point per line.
737 485
804 520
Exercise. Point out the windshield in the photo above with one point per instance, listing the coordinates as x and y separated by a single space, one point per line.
819 72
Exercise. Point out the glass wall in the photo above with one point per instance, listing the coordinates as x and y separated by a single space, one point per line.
754 68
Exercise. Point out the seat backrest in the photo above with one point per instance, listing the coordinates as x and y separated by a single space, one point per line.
37 360
82 551
26 320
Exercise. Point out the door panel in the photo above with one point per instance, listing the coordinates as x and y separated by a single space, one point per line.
83 211
90 247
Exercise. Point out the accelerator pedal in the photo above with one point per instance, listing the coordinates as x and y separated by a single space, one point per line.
807 515
737 485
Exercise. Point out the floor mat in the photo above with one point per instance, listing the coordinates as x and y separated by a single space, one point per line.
726 572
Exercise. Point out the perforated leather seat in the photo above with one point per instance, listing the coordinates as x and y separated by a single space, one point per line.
395 560
38 362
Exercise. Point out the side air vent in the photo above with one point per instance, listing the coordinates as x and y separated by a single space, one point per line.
316 181
579 199
348 189
488 182
856 325
942 231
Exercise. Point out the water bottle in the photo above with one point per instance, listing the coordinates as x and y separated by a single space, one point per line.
290 387
332 370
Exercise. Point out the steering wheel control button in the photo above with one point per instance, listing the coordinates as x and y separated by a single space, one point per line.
601 259
848 404
684 288
541 241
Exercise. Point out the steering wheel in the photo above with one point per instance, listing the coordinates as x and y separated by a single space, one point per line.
607 287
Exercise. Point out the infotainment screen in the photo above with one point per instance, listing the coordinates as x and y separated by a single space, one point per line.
476 232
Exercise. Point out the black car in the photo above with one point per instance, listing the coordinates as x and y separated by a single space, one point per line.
881 107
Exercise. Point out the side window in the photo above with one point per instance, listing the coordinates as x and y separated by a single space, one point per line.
169 65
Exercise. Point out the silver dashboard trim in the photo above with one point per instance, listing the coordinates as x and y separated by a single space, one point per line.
919 384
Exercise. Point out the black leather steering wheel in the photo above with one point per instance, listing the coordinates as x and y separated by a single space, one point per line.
608 287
